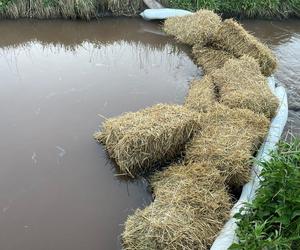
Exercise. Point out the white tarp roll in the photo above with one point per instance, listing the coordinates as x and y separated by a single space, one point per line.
227 235
161 14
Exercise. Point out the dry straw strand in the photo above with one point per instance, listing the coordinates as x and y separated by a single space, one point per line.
82 9
232 37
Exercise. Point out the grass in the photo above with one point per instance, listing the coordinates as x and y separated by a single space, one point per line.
244 8
272 221
87 9
82 9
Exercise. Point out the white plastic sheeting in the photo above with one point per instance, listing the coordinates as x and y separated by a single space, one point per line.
161 14
227 236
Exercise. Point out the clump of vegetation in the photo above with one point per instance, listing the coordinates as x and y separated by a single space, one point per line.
86 9
272 220
83 9
243 8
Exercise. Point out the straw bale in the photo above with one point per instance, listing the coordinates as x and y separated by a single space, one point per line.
197 28
186 214
201 96
139 140
232 37
210 58
227 141
189 179
241 85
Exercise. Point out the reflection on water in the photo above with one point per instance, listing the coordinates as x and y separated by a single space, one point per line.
57 187
70 34
284 39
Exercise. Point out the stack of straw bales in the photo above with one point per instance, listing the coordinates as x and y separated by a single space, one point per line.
227 141
190 208
197 28
201 96
139 140
215 42
232 37
240 84
224 120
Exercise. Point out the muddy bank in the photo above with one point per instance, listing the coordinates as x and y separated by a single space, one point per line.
284 39
57 186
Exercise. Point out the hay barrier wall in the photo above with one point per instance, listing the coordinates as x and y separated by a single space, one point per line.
212 138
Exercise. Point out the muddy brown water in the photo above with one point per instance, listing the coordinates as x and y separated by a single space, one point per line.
58 189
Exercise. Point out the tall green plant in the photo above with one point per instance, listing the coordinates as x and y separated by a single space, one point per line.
3 4
272 221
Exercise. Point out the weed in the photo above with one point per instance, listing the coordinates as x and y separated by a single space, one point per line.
272 221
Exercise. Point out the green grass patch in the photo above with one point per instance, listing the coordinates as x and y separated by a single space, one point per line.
87 9
243 8
272 220
81 9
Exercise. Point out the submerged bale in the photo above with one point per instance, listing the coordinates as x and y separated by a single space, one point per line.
197 28
241 85
233 38
201 96
139 140
227 141
210 58
187 213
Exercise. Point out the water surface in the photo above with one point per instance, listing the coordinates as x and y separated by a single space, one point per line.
58 189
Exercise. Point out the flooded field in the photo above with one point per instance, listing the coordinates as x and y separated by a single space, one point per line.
59 79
